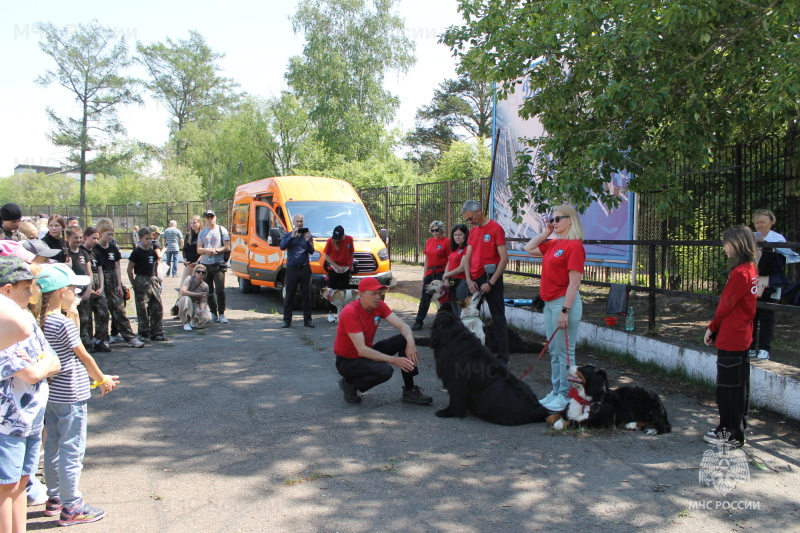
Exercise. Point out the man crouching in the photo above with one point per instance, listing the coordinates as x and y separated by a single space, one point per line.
362 365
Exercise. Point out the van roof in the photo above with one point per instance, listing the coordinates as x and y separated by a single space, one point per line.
302 188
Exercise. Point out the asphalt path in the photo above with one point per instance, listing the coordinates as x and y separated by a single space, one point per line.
242 427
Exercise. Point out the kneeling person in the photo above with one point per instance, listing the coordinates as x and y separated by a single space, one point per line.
362 365
192 305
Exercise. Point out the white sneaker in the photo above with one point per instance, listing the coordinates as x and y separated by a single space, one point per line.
222 319
214 318
558 404
135 342
547 399
187 327
763 354
331 317
116 338
751 353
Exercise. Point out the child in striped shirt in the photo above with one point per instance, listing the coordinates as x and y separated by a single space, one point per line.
66 414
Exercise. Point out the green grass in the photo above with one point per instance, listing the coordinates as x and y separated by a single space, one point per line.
313 476
651 367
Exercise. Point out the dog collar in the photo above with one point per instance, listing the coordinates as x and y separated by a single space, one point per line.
573 395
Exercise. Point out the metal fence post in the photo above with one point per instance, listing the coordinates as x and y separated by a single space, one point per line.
651 298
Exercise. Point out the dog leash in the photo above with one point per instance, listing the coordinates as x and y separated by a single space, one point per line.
566 340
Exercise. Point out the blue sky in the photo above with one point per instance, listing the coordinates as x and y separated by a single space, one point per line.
255 36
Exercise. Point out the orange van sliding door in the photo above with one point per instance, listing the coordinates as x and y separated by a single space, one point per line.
266 259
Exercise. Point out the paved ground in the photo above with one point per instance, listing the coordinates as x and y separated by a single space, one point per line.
242 428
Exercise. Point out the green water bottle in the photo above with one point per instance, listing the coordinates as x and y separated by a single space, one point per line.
629 320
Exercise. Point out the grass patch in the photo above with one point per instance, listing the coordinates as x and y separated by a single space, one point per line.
651 367
404 297
313 476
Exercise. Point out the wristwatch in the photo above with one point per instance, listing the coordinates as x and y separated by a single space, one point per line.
565 309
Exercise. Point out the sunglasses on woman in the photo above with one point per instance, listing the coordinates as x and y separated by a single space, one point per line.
199 271
434 230
558 218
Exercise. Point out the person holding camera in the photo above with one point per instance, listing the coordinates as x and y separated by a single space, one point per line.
299 245
212 245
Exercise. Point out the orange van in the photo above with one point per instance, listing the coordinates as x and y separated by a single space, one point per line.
262 211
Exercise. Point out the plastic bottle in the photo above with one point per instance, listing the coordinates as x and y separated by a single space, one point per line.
629 320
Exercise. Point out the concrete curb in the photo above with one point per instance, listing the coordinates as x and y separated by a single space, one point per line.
772 385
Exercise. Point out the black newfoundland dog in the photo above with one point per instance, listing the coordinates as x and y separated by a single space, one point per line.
475 380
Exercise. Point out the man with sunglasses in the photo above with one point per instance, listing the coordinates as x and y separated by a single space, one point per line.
213 243
484 263
437 250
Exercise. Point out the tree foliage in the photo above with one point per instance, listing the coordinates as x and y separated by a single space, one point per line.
460 109
349 49
642 86
184 75
283 131
464 161
89 63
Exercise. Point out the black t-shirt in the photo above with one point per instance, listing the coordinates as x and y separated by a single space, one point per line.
144 261
190 250
107 257
80 260
93 258
56 244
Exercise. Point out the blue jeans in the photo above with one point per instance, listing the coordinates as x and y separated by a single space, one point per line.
557 348
171 258
64 447
19 456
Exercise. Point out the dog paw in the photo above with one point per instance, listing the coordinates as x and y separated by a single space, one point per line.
559 424
631 426
651 431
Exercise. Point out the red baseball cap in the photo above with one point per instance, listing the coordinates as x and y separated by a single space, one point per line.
370 284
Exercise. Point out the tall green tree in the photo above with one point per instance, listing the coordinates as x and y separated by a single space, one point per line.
90 63
184 75
460 109
350 47
283 131
642 86
464 161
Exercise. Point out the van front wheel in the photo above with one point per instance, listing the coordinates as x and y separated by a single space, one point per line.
245 287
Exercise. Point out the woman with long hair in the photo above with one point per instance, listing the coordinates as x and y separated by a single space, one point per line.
56 239
454 275
190 255
563 260
731 332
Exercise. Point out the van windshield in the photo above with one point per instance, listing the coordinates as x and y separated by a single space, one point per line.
322 217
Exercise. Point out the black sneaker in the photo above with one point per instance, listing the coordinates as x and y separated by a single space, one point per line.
101 347
350 392
416 396
308 324
416 326
80 514
144 338
159 337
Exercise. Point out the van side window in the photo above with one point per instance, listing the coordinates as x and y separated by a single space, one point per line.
263 221
241 217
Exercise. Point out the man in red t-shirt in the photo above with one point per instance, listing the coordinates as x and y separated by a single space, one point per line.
362 365
484 263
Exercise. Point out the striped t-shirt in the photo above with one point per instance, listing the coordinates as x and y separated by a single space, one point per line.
71 384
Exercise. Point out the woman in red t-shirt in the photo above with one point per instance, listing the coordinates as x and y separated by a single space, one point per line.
437 249
338 264
454 275
562 270
731 332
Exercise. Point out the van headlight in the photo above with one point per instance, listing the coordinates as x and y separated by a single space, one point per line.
383 254
315 256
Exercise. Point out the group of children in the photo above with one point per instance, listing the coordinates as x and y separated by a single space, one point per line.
44 386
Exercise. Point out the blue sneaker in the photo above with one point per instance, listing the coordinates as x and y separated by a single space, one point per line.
82 513
547 399
557 404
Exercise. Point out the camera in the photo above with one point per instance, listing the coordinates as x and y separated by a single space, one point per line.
302 230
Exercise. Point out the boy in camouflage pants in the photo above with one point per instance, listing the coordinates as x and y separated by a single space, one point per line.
97 304
143 262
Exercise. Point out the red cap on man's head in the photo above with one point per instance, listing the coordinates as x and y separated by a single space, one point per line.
370 284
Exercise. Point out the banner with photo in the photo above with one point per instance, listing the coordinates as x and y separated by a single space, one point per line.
599 221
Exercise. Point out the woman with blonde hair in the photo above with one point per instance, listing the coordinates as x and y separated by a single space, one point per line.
563 261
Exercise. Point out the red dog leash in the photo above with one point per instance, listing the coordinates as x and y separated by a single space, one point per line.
566 340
